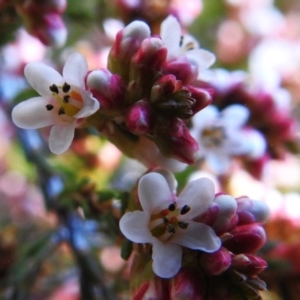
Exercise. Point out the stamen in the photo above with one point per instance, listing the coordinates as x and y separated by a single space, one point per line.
170 228
66 98
49 106
185 209
66 87
53 88
61 111
183 225
172 206
166 220
181 41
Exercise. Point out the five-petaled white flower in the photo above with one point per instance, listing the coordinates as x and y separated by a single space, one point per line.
222 135
166 221
179 45
63 103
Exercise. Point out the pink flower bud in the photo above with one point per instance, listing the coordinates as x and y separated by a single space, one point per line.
127 42
52 30
203 98
182 69
248 264
252 211
187 284
178 144
140 118
226 216
216 263
245 239
151 54
108 88
164 86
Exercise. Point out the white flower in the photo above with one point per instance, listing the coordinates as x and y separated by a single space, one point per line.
184 45
166 221
222 135
63 102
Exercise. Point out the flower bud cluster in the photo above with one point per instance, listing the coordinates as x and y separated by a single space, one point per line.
230 271
146 93
269 114
43 20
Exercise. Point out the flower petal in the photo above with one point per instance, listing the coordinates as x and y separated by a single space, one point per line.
75 70
90 105
235 115
32 114
61 137
218 160
154 192
134 225
205 118
202 58
198 195
170 32
41 77
166 258
197 236
256 143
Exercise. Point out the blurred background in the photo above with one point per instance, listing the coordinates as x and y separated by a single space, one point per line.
59 236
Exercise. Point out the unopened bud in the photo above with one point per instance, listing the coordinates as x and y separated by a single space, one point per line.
202 98
248 264
139 118
252 211
127 42
182 69
108 88
187 284
227 209
245 239
216 263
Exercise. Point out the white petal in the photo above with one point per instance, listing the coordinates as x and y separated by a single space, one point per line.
198 195
256 143
205 118
90 105
170 32
32 114
75 70
166 259
235 115
154 192
203 58
218 161
41 77
61 137
134 225
197 236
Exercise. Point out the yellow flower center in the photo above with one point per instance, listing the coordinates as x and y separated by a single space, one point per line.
213 136
163 225
70 102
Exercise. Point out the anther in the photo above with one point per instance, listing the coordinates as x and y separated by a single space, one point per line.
66 98
183 225
172 206
181 41
66 87
170 228
49 106
165 219
185 209
61 111
53 88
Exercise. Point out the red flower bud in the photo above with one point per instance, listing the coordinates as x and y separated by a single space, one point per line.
245 239
248 264
140 118
216 263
